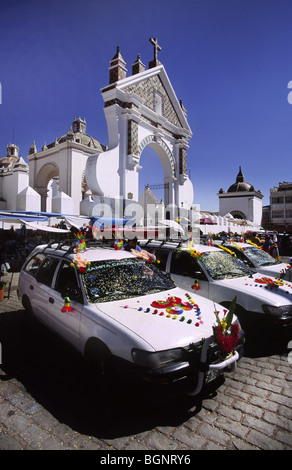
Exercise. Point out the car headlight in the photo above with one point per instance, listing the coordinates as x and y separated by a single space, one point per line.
278 311
154 360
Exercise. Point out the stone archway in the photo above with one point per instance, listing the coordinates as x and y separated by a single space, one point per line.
238 214
47 172
167 160
140 110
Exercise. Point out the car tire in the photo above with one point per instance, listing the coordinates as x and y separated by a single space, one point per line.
30 317
100 358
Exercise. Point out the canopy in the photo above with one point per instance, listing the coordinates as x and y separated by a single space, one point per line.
207 221
20 218
107 221
172 224
44 228
76 222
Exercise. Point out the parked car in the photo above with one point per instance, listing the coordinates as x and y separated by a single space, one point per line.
257 259
213 273
124 315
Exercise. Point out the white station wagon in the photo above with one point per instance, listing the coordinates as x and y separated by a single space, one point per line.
123 314
262 301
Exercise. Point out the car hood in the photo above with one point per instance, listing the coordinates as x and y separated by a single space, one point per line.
257 289
273 270
160 328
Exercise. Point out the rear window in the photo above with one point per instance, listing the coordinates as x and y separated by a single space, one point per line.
47 270
34 263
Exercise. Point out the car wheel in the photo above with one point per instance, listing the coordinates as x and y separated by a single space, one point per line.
101 362
30 317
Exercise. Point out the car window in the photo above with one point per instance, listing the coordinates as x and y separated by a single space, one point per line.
184 264
67 282
161 256
221 265
241 255
46 271
34 263
259 257
66 277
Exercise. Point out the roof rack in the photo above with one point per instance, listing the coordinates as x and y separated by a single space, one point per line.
161 243
69 245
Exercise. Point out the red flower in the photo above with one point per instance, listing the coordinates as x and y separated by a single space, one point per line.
227 341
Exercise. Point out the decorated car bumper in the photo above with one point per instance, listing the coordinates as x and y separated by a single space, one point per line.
203 363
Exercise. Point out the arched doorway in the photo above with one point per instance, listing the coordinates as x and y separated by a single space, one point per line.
151 173
47 184
238 214
160 165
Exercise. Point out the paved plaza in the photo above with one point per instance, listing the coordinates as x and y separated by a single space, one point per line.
49 400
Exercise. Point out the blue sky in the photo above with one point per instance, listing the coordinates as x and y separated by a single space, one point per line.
228 60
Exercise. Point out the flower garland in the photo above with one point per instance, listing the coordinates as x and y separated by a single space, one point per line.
210 239
226 333
227 250
196 254
119 244
80 263
254 244
238 247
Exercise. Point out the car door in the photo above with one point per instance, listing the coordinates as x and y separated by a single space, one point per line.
187 274
40 288
66 316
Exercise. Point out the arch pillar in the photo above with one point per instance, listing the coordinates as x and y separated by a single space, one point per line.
43 192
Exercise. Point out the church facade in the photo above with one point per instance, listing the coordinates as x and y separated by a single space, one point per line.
140 110
76 174
242 201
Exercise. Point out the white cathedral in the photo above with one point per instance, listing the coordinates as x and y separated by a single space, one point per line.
77 175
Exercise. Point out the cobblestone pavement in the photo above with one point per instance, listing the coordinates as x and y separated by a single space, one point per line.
49 401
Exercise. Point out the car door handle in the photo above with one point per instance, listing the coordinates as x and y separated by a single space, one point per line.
31 287
51 300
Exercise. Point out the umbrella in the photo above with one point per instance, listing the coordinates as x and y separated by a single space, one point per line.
172 224
207 221
183 220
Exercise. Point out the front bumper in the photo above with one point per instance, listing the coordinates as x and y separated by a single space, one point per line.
266 321
189 375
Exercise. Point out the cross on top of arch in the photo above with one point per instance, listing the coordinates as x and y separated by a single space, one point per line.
156 48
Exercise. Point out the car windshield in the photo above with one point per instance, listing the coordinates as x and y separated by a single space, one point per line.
259 257
109 280
221 265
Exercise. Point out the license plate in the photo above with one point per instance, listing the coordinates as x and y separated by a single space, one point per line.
213 374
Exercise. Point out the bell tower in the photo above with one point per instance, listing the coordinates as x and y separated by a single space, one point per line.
117 68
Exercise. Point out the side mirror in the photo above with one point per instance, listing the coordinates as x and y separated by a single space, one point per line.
199 275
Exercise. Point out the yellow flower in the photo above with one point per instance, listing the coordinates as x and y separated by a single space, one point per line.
223 325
